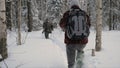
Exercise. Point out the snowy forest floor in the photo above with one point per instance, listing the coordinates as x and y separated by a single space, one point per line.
38 52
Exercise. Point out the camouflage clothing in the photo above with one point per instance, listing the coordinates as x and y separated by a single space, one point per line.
47 27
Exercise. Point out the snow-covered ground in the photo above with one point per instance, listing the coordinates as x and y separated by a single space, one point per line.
38 52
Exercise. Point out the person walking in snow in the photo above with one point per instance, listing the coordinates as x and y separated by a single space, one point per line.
47 28
74 47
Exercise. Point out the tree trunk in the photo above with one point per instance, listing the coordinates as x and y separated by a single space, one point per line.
8 15
110 21
65 6
99 25
19 22
3 33
29 24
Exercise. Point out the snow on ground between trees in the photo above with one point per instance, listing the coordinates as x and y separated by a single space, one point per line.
38 52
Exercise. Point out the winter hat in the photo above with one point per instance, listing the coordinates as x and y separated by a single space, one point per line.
74 2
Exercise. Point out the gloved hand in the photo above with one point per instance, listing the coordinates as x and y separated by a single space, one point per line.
84 40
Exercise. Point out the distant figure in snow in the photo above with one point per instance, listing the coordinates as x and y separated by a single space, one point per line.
47 28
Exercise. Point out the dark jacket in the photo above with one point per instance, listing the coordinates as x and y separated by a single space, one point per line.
63 22
47 26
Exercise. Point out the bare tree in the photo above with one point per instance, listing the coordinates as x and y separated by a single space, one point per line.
29 24
98 25
19 22
8 14
3 33
110 21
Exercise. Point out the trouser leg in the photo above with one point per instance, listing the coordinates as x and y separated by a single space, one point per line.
80 55
80 50
70 49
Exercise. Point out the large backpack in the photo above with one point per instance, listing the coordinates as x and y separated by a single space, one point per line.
76 27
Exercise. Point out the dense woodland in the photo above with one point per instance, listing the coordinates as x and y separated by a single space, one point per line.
29 15
39 10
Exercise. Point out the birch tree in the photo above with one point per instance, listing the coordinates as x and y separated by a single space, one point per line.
98 25
3 33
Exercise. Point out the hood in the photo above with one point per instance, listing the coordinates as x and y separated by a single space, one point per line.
75 7
74 3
